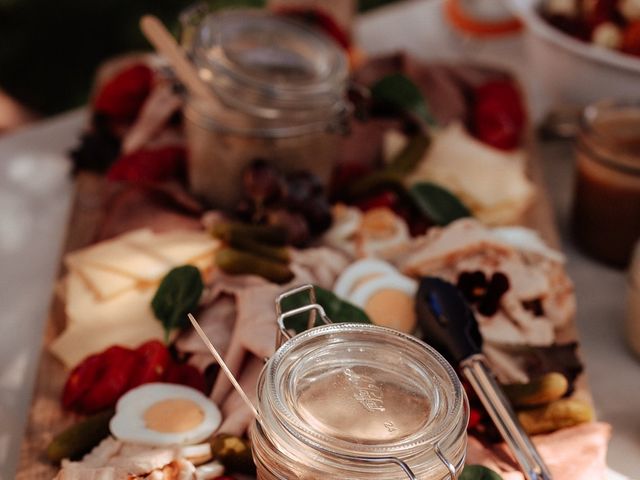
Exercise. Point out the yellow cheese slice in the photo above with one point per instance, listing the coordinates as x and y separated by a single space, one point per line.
120 256
83 306
105 284
79 341
178 247
94 325
483 177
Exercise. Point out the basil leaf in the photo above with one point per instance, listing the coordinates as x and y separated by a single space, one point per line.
478 472
178 294
338 310
398 92
438 203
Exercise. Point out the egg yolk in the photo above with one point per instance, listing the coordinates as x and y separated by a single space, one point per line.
393 309
175 415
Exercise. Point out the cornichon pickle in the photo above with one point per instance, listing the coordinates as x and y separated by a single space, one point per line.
278 254
556 415
80 438
384 179
408 159
271 234
542 390
234 453
237 262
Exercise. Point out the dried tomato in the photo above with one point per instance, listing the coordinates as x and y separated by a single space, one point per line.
153 360
185 374
498 115
80 380
143 166
111 380
122 96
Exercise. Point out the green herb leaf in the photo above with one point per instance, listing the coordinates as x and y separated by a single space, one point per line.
338 310
178 294
438 203
398 92
478 472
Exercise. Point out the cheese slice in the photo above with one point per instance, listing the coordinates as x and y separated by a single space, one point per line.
121 256
178 247
94 325
83 306
105 284
491 182
79 341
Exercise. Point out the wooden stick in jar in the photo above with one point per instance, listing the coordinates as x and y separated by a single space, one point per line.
166 45
223 365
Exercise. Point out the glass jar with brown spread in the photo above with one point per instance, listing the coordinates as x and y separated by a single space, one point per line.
280 88
632 324
359 402
607 196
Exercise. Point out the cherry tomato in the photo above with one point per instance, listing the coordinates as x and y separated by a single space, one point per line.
153 360
474 418
631 39
498 116
387 198
122 96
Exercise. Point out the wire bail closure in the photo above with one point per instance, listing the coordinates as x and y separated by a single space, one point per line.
284 334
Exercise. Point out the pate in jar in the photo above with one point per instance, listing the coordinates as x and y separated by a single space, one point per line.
280 96
359 402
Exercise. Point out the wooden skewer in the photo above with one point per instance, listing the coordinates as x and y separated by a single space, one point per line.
165 44
223 365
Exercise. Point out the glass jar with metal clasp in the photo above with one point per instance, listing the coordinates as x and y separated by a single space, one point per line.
356 401
280 95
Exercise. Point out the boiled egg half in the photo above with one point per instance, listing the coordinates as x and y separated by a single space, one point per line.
160 414
378 288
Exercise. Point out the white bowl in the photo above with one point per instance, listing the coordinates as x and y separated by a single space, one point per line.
568 71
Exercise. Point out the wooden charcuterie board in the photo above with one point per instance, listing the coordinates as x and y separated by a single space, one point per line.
46 417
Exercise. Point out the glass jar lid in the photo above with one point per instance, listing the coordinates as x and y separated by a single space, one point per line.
257 58
364 391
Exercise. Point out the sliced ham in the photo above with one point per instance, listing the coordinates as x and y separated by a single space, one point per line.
158 108
237 415
576 453
129 208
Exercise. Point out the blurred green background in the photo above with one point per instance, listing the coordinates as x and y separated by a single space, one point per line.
49 50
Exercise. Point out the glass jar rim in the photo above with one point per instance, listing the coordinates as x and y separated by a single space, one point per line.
333 121
279 378
602 146
319 83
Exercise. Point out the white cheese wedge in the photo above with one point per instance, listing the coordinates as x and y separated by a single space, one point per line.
492 183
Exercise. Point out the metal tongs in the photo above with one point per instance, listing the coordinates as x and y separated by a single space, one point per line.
452 329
